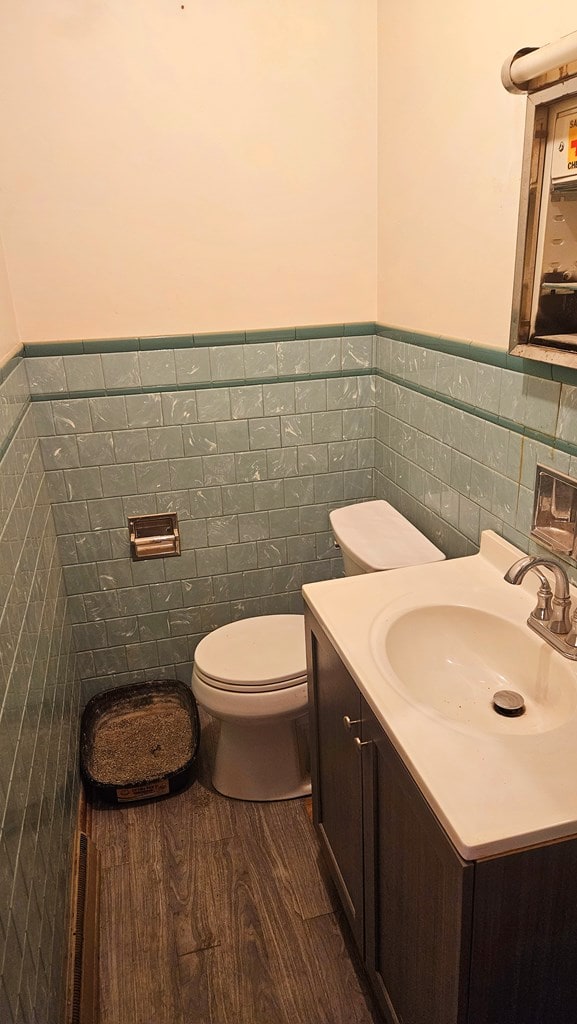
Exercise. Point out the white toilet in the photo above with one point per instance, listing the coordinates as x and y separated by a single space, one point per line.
251 674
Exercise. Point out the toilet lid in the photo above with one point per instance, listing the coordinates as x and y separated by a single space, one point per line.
266 651
378 537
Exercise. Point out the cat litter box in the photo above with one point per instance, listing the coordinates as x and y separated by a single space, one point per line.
139 742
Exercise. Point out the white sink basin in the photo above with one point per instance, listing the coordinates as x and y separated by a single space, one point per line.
428 646
451 659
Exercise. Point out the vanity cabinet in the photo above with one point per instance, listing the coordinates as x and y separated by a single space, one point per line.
443 940
337 778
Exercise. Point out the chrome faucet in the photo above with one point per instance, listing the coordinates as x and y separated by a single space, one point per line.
551 618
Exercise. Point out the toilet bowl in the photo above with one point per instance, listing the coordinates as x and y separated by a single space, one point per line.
251 674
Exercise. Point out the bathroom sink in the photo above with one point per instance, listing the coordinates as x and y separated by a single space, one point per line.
428 647
449 660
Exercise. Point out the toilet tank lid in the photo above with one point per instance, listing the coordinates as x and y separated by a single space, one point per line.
263 649
378 537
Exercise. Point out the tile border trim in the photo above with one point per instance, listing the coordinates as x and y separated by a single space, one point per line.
173 341
480 354
59 396
450 346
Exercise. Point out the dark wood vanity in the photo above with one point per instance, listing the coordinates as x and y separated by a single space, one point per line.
443 940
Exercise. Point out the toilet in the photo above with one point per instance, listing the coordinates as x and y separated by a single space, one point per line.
251 674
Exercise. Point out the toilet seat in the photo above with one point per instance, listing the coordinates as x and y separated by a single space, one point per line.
235 658
245 687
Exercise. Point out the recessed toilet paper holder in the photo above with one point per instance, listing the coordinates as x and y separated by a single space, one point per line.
154 536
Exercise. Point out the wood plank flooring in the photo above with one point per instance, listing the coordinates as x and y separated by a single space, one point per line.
219 911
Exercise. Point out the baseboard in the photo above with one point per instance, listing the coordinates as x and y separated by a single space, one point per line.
81 1006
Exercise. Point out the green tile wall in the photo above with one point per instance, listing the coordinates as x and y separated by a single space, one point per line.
252 438
39 703
457 439
251 461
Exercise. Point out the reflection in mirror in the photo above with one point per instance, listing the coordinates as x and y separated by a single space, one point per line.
544 321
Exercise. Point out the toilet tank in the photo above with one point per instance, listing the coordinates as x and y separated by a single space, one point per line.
373 536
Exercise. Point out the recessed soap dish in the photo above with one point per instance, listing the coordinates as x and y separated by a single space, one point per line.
555 511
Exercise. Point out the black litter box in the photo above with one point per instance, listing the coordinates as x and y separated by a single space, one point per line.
139 742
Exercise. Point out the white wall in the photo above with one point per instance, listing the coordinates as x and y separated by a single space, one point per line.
9 338
193 166
450 147
187 165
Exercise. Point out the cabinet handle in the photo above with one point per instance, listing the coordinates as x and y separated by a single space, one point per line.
349 722
358 742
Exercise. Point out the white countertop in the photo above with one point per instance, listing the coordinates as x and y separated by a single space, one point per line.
493 792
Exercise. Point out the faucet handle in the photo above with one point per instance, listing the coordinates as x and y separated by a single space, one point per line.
543 609
571 638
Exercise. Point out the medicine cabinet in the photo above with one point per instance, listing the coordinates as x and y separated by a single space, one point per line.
544 320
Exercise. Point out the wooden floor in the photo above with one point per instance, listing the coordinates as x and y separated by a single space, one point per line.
218 911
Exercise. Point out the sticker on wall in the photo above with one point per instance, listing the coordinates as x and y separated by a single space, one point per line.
564 162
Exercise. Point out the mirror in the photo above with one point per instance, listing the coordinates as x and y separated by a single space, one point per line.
544 318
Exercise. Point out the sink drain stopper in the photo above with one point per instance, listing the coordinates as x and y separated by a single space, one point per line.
509 703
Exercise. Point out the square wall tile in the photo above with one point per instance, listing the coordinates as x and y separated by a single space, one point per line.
219 469
246 401
71 416
199 439
60 452
83 483
144 410
165 442
45 374
542 404
232 436
84 373
179 407
227 362
296 430
131 445
152 476
311 396
343 393
264 433
121 370
222 530
325 355
213 405
157 368
206 502
250 466
185 473
237 498
293 358
108 413
117 480
96 449
192 365
357 353
278 399
260 361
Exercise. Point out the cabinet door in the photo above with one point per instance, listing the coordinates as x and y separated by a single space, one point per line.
336 771
418 895
524 949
